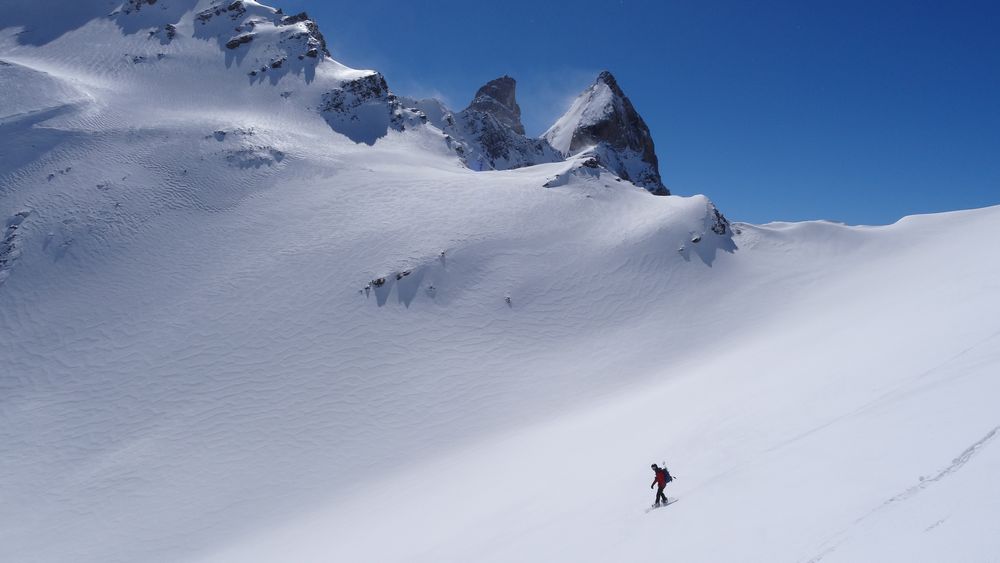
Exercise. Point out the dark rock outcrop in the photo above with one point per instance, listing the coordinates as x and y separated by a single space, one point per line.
9 246
497 98
363 109
315 39
136 5
239 40
719 224
354 93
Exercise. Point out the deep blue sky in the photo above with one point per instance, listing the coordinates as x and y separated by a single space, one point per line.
856 111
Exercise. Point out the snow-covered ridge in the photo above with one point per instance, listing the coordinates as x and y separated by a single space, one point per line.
270 47
601 122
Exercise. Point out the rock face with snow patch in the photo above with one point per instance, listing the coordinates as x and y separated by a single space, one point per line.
488 135
363 109
604 121
9 248
287 43
719 224
262 39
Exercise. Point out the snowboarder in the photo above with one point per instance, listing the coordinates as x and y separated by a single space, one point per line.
661 478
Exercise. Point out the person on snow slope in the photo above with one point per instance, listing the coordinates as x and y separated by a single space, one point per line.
660 480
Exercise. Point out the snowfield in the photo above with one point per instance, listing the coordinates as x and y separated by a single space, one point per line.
232 330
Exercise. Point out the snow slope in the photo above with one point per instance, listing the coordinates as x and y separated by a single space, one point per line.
826 417
197 366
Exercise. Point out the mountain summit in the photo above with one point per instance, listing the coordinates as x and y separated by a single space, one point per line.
496 98
488 134
602 119
601 128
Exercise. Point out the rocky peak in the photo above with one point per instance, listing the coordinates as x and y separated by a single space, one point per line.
607 78
497 98
488 135
603 119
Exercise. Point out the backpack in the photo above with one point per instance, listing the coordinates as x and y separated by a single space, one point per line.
667 475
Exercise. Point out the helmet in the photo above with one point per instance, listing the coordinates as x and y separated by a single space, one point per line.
653 466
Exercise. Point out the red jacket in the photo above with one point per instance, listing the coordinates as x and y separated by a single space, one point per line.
661 477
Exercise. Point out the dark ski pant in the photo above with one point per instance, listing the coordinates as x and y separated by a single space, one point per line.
660 497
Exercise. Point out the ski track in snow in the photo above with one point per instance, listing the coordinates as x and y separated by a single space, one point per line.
953 467
903 388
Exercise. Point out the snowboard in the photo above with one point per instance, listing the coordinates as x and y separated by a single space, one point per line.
668 503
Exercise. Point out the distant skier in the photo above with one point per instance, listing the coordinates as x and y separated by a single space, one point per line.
662 477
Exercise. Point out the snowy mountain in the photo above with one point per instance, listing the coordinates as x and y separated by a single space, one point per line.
601 128
256 306
603 122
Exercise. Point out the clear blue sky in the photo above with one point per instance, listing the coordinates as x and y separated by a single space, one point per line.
855 111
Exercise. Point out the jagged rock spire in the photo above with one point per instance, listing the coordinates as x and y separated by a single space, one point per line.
497 98
604 120
488 135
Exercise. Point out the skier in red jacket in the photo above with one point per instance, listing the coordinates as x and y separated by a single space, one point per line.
662 477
